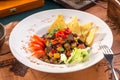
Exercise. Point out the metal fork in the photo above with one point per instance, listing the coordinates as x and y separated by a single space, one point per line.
109 55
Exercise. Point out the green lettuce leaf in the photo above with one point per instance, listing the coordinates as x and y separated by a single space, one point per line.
77 56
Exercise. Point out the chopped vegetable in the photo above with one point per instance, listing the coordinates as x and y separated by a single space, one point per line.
56 55
53 32
53 51
63 33
50 54
77 56
61 49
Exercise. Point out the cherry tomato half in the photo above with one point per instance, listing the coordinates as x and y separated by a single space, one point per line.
39 54
37 43
34 47
37 39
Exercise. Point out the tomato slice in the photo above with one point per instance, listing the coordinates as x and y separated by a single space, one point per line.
38 39
39 54
37 43
34 47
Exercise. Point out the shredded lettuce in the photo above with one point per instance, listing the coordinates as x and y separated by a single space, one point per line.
77 56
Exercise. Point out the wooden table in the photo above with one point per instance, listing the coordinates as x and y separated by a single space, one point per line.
99 71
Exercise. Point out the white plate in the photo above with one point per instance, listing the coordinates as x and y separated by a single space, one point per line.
39 22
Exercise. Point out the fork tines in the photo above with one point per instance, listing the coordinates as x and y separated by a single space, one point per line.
107 52
106 49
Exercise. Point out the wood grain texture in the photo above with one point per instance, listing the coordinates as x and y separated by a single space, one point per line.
114 12
99 71
18 6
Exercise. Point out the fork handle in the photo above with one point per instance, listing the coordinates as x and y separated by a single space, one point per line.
114 73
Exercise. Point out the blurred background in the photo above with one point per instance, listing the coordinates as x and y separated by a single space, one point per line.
22 8
48 4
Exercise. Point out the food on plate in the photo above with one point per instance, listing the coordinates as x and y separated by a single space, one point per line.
59 22
91 35
74 26
37 45
64 43
85 28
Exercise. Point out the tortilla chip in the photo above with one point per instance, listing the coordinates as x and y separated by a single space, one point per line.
59 22
85 30
74 26
91 36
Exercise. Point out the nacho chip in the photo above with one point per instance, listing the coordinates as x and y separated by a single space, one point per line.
91 36
85 28
74 26
59 22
